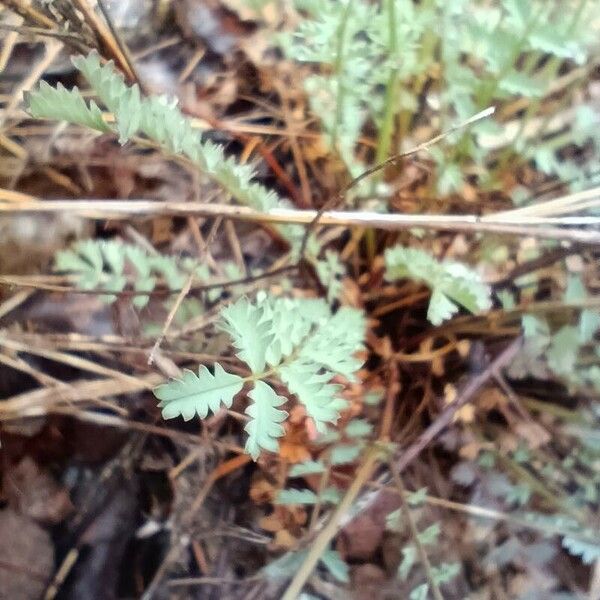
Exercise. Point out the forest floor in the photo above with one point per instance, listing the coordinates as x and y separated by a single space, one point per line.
476 474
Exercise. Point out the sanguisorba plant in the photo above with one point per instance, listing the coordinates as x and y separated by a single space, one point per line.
299 343
390 62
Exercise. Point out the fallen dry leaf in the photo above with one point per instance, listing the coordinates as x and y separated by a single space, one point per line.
33 492
26 557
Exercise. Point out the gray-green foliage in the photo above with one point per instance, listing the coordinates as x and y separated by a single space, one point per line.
331 270
285 566
569 487
298 342
160 120
113 265
334 452
428 538
567 351
451 283
483 53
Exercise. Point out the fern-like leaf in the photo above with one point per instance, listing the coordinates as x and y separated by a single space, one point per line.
305 346
451 283
198 394
162 121
64 105
313 389
265 425
589 552
250 334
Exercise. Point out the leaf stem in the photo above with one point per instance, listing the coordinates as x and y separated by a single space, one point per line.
339 71
391 91
435 590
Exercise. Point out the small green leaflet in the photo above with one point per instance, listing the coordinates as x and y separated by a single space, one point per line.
265 425
249 332
444 572
336 565
96 264
418 497
293 496
313 390
522 84
344 454
429 535
409 557
309 467
198 394
589 552
420 592
64 105
285 566
358 428
451 283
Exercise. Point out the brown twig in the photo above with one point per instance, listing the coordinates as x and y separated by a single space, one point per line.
406 456
108 42
335 200
182 294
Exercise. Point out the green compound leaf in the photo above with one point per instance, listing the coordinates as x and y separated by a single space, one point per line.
101 264
298 341
159 119
64 105
309 467
198 394
313 389
587 551
307 497
249 332
452 283
265 425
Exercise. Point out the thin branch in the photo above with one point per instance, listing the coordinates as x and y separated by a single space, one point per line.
182 294
26 30
563 228
322 541
406 456
335 200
